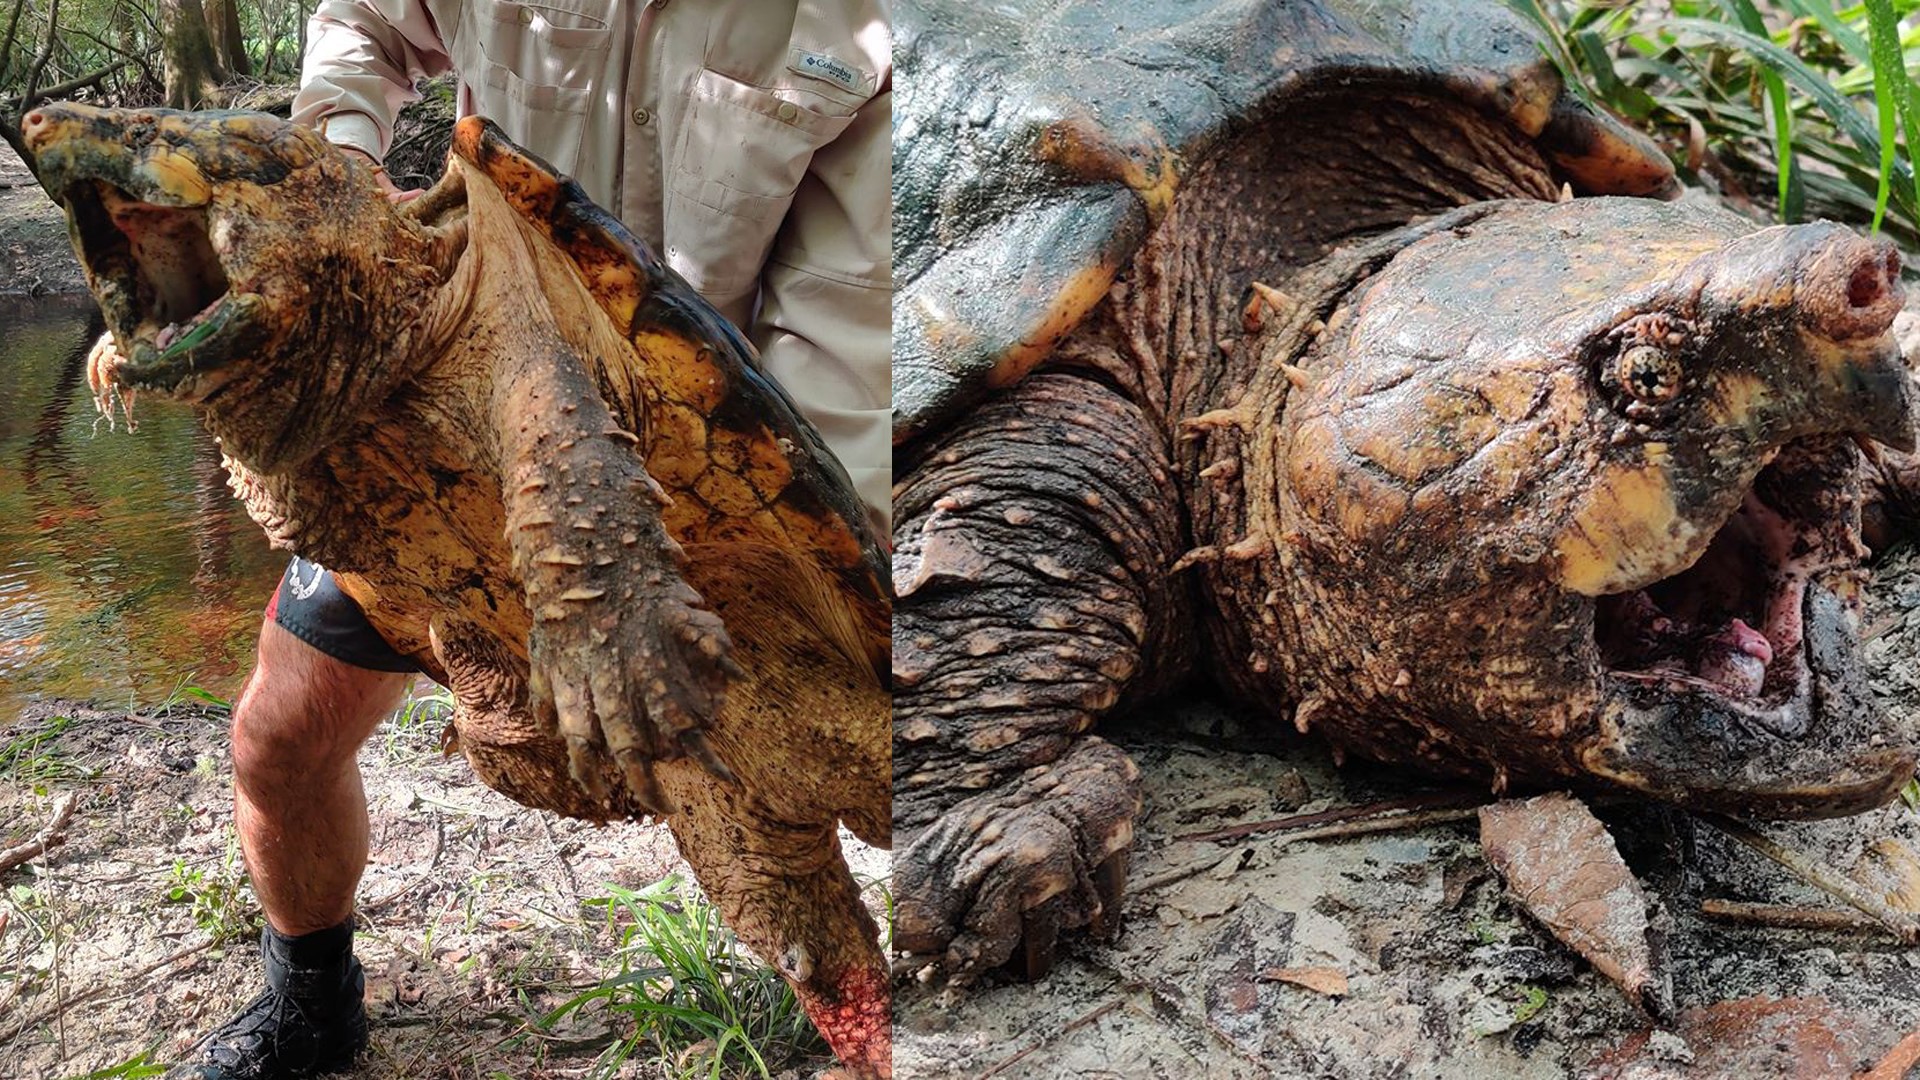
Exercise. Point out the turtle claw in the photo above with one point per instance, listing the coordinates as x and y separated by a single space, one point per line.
1109 885
1039 933
655 675
583 763
644 786
694 744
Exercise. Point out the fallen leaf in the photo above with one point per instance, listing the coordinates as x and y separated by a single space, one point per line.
1761 1038
1321 980
1561 865
1899 1061
1897 869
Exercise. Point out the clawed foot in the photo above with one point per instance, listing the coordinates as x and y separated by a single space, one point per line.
101 362
636 681
1003 873
626 665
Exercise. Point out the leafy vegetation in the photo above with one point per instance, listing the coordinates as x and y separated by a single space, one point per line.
34 756
686 991
187 53
220 900
1802 107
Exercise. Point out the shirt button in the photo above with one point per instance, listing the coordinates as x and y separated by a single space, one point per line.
786 112
526 16
642 117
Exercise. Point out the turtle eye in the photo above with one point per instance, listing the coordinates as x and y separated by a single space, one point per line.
1649 373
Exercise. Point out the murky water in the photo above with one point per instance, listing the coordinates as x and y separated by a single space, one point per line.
126 567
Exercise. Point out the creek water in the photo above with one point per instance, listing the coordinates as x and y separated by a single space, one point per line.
127 569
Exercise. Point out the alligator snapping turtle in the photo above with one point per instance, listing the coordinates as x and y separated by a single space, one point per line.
549 472
1269 340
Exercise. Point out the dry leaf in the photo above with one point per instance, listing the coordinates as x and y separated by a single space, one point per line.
1561 865
1321 980
1894 865
1899 1061
1762 1038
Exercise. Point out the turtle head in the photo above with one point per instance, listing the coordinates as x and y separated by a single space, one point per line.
1605 456
236 256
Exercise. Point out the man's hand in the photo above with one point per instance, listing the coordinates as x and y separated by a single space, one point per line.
395 194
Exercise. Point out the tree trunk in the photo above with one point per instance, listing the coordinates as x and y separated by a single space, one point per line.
192 68
223 19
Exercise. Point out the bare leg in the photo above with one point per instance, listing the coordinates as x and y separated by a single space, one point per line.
298 804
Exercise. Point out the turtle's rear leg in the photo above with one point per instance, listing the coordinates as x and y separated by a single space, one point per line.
1031 562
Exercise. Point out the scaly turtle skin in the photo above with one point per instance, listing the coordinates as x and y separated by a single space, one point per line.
549 472
1269 340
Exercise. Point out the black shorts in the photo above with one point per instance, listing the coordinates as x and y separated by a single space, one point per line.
310 605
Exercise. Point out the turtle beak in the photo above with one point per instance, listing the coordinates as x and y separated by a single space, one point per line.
1838 293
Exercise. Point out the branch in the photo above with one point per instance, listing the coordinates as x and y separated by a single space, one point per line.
131 57
46 51
44 839
13 27
21 105
1903 925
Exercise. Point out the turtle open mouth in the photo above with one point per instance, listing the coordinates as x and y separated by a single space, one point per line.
1740 623
160 281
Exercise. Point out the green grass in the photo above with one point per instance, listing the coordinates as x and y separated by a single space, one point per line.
414 730
140 1065
687 994
32 757
186 693
1806 106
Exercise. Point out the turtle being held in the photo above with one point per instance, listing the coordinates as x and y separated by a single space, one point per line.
1269 340
550 474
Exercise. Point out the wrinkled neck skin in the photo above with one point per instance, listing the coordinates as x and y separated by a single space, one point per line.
372 318
1296 609
386 318
1177 336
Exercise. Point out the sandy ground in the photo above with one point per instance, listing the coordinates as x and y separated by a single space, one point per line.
1447 977
35 255
471 915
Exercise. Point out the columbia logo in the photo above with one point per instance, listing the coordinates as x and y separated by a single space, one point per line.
829 69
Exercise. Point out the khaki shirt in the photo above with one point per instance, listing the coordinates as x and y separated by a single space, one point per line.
745 140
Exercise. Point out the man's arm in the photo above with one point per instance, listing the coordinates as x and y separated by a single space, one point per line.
362 58
826 300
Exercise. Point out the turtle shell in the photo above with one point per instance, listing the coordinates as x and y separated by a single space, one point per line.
729 445
1037 144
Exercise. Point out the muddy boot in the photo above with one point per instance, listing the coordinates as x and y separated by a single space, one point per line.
310 1020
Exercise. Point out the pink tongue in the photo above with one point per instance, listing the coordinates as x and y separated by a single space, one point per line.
1749 641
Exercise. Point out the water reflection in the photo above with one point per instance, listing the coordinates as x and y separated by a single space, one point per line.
125 564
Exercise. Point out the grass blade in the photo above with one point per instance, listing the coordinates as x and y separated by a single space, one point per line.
1831 102
1884 31
1848 38
1756 27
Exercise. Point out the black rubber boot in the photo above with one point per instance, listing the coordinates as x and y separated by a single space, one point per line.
309 1021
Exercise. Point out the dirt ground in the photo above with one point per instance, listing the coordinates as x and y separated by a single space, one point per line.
471 914
1447 977
36 258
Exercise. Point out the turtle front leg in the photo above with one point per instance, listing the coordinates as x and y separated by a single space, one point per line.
1891 487
626 662
1031 563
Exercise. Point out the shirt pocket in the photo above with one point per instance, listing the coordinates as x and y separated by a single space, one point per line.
548 120
557 41
742 153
